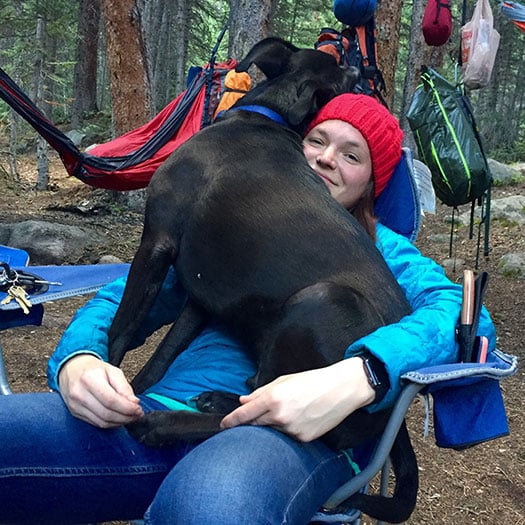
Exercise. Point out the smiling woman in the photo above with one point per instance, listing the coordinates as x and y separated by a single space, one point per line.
339 154
354 144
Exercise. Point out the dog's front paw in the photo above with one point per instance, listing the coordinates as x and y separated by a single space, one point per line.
217 402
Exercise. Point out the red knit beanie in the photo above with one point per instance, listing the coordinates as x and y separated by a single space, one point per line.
377 125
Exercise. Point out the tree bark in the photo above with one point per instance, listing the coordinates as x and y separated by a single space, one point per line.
13 143
249 22
182 22
129 80
388 22
42 159
85 72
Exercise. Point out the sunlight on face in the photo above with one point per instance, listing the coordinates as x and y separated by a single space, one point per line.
339 154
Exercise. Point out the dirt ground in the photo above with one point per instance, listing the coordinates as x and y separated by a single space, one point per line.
482 485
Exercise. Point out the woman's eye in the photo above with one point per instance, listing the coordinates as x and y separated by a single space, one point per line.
352 157
315 140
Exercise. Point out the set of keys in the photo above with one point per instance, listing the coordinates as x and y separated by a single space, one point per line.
13 283
17 293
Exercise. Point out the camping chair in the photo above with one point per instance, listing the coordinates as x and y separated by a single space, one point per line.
468 409
467 403
52 283
466 395
470 386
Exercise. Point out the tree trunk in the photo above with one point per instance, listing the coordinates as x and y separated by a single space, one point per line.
129 80
85 73
182 21
249 22
13 143
418 54
163 43
388 22
42 159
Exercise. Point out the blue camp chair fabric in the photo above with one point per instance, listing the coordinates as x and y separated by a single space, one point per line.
468 406
74 280
398 206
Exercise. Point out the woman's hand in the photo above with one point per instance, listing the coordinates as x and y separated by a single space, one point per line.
98 392
308 404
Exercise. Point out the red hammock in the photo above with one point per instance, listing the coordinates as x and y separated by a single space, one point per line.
129 161
516 12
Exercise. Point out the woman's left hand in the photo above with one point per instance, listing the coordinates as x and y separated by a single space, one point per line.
308 404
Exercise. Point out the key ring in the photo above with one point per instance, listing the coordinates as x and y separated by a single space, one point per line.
31 283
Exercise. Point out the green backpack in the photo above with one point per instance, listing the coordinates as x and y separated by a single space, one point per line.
441 119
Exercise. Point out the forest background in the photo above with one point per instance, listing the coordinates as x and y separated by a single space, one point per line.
104 67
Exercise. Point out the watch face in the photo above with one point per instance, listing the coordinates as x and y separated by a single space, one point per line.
370 374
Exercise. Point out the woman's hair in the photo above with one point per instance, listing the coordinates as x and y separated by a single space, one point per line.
363 211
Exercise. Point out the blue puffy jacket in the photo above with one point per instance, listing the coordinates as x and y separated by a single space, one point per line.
214 361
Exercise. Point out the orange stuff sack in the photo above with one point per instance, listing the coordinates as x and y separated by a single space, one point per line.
235 86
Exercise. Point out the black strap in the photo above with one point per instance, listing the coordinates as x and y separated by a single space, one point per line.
463 22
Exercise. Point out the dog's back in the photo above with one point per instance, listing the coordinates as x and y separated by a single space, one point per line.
299 83
255 236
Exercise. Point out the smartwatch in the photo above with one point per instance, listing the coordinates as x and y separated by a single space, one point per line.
376 375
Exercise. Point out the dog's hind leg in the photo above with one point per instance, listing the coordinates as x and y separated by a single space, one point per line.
183 331
399 507
168 427
147 273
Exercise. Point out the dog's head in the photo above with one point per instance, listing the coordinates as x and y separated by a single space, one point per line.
299 81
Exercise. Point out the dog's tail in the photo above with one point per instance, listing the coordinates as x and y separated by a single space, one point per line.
398 507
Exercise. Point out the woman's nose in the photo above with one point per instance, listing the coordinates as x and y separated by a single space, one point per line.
326 158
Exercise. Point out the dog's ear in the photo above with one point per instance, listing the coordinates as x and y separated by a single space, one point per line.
312 95
270 55
306 104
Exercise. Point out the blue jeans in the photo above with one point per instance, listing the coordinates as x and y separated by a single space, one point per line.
57 469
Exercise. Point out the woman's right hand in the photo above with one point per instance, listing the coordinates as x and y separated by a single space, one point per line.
98 392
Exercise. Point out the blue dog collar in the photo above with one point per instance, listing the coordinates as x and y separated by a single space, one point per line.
266 112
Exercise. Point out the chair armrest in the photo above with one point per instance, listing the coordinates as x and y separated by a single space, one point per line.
382 450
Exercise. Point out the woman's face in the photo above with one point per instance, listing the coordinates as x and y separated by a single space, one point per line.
339 154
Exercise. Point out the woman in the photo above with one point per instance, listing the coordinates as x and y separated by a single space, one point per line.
267 466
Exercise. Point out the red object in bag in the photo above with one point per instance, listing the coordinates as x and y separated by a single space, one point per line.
437 22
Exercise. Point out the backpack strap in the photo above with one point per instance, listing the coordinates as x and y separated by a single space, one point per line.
356 46
366 41
334 43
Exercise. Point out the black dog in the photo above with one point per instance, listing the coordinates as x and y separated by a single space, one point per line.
258 243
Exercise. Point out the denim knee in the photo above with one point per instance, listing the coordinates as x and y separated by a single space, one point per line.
248 475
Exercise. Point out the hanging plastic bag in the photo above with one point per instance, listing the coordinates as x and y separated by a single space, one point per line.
479 45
